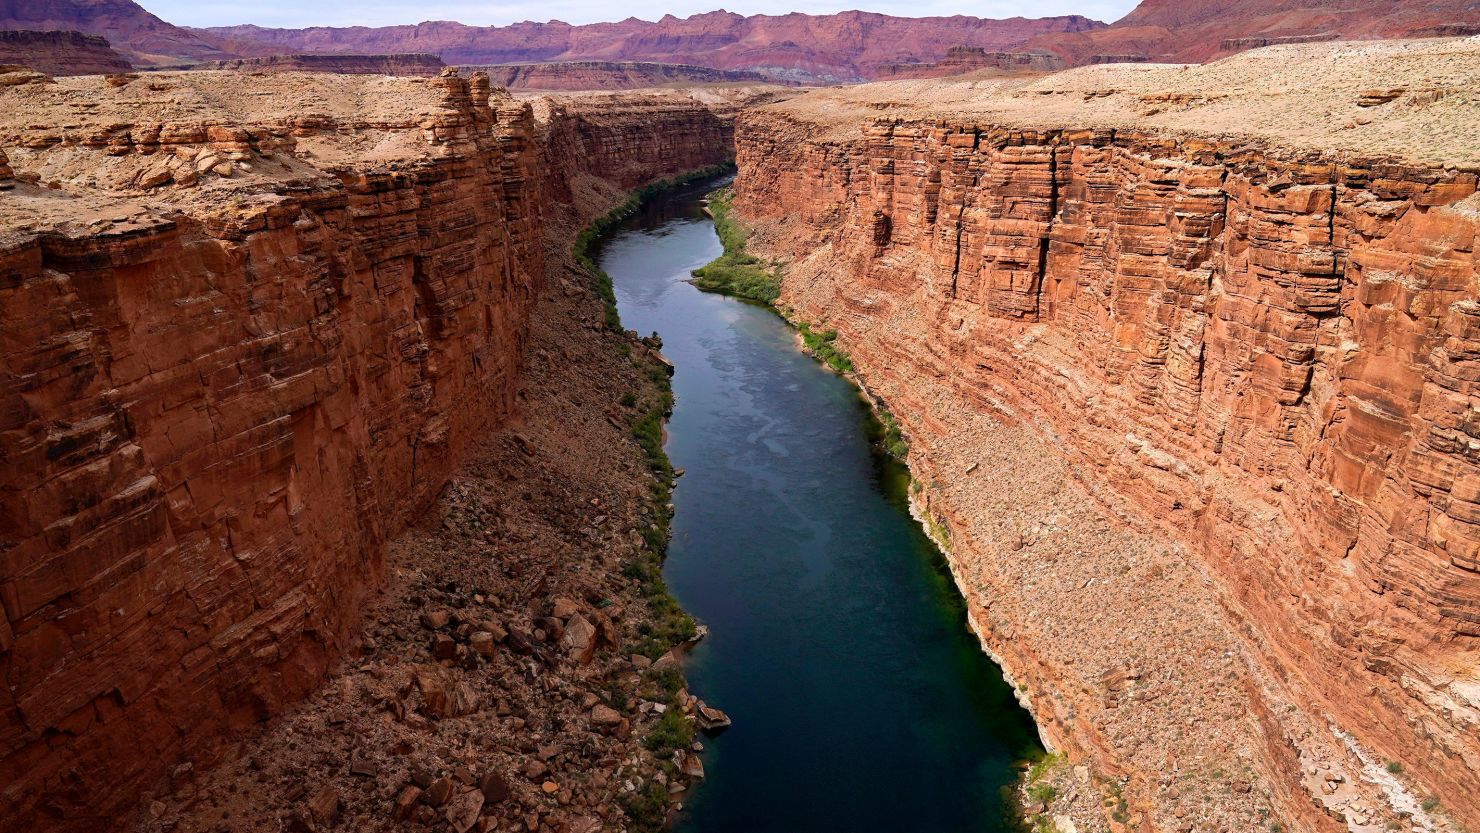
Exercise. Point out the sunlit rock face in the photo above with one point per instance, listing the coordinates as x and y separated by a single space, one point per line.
249 329
1265 348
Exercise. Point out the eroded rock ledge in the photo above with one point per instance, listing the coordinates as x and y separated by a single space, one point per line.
1194 403
249 330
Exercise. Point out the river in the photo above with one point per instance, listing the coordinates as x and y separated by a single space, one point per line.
838 642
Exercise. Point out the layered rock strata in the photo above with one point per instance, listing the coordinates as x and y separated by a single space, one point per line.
417 64
60 53
1255 345
597 141
223 397
142 37
608 75
249 332
960 60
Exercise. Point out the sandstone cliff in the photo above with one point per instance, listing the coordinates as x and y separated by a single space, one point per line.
60 53
249 331
607 75
600 140
960 60
1241 315
241 349
412 64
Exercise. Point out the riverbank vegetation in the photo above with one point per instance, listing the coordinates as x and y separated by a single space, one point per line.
736 272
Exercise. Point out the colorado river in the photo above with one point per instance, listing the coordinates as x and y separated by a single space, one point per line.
860 700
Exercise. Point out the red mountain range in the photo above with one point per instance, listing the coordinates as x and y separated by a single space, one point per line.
838 47
848 46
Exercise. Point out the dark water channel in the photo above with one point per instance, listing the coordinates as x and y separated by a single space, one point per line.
839 648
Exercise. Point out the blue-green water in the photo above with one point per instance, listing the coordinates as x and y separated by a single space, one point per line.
839 648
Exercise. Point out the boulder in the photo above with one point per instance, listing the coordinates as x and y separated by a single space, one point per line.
463 810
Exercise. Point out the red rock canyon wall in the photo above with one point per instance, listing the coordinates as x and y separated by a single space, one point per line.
1273 353
227 383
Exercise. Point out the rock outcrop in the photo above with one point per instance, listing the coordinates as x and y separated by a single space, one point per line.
60 53
796 47
609 139
414 64
1246 320
960 60
607 75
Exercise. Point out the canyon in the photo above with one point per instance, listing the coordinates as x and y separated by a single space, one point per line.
1184 355
325 498
250 331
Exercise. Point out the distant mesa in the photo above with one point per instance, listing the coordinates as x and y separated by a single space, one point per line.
610 75
960 60
60 52
418 64
143 39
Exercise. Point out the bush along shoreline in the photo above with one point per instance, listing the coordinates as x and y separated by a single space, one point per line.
742 275
648 807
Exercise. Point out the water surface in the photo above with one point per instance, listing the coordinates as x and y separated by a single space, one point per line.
860 701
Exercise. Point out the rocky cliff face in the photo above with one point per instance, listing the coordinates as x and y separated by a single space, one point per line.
222 398
413 64
605 140
607 75
60 53
244 344
1261 347
960 60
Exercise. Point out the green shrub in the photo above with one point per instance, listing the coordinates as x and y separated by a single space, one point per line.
1042 793
648 807
735 272
821 345
1394 767
892 439
1042 766
672 731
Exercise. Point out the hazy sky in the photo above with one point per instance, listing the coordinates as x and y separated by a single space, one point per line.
297 13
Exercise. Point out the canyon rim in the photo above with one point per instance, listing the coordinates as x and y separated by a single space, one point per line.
333 491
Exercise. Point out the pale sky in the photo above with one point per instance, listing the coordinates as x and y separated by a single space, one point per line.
297 13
